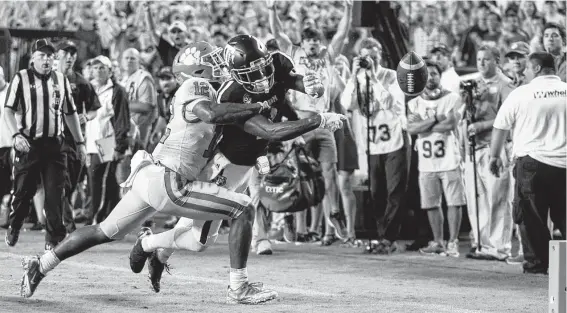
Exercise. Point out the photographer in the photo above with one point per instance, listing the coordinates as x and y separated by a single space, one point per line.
372 93
482 98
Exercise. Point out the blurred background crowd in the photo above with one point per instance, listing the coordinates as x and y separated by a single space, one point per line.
157 30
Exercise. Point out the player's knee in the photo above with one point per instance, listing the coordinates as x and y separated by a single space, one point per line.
111 230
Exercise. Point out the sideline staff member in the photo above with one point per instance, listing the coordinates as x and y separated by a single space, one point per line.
35 101
536 115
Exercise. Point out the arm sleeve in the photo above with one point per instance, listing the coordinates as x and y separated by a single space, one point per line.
93 103
14 94
69 107
506 116
347 99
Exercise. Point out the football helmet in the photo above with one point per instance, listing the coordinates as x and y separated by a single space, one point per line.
249 63
199 59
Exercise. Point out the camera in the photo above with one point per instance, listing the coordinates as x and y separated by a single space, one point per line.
364 63
468 85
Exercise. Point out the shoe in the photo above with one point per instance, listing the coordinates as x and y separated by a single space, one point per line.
328 240
349 243
250 293
452 249
340 227
155 270
264 247
519 259
138 256
290 234
416 245
37 226
12 236
170 223
371 246
32 276
433 248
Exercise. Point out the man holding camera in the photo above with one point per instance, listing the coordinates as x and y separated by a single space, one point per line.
482 98
373 93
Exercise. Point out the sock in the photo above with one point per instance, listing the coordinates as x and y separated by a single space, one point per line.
179 238
164 254
48 261
238 277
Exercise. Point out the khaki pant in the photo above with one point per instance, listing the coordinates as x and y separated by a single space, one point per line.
494 205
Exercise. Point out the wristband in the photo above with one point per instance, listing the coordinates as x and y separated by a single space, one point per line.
15 135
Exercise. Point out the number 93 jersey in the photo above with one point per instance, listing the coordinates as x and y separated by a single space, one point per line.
438 152
186 137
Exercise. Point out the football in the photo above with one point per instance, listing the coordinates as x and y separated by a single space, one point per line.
412 74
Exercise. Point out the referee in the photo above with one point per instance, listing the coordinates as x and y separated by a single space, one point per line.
536 115
36 101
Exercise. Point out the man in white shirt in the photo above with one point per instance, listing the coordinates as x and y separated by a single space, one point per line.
536 115
373 93
441 55
432 117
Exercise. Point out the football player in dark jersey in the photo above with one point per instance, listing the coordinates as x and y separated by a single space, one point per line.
257 76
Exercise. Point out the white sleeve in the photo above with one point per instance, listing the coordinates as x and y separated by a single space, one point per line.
506 116
347 96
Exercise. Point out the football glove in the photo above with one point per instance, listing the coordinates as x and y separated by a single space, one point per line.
312 84
332 121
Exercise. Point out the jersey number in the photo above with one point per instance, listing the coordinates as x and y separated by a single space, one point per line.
438 146
201 89
165 135
384 132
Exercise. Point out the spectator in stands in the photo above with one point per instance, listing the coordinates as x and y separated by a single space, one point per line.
372 93
108 131
536 42
168 44
428 33
474 35
494 211
149 54
552 14
529 13
220 39
494 30
312 56
512 31
441 55
553 41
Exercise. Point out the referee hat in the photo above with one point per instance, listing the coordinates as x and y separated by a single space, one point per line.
43 45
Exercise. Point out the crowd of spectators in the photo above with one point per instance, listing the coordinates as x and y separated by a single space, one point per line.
152 32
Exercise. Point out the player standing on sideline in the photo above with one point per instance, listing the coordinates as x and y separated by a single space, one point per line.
257 77
37 100
312 56
86 102
536 115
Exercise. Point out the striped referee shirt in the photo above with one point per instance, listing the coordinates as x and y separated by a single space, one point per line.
39 103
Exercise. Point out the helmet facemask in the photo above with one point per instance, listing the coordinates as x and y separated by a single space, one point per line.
258 78
215 60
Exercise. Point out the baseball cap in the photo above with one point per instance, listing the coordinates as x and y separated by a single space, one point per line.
518 47
165 72
179 25
67 45
440 47
103 60
43 45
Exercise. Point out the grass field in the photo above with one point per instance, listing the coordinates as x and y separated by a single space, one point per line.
309 278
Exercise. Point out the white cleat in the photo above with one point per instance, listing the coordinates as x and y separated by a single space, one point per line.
250 293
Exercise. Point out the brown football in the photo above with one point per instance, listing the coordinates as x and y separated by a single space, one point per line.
412 74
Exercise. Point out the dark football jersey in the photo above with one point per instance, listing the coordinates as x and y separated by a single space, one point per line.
238 146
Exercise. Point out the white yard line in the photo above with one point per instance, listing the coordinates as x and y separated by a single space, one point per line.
192 279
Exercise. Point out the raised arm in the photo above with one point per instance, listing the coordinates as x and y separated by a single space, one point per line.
150 22
343 28
277 29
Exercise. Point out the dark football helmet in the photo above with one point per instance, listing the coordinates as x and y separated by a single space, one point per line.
199 59
249 63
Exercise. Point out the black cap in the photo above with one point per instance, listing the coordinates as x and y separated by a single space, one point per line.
67 45
440 47
43 45
165 72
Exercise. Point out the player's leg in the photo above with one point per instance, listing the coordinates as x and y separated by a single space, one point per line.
130 212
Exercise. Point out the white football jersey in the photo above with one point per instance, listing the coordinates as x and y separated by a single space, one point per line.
438 152
186 138
385 132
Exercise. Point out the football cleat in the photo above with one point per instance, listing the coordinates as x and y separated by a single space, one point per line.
155 269
138 256
250 293
32 276
12 236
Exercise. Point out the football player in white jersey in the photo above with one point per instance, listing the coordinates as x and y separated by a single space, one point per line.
432 117
385 110
167 180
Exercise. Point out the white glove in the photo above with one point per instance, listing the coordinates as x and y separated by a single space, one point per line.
332 121
312 84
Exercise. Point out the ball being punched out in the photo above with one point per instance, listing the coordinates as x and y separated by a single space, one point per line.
412 74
